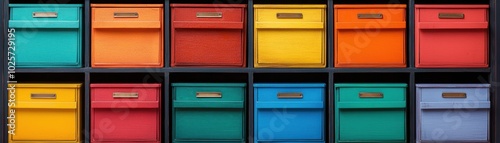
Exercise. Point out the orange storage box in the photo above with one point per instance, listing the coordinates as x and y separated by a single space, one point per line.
370 36
127 35
451 36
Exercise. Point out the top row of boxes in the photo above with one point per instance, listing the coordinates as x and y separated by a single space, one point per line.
214 35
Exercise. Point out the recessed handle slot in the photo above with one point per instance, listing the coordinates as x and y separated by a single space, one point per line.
126 15
208 95
289 15
290 95
451 15
371 95
454 95
370 16
44 14
43 96
209 14
125 95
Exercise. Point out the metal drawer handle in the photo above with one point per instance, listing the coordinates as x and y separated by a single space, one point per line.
43 96
289 15
451 16
370 16
125 95
454 95
290 95
371 95
209 14
126 15
44 14
208 95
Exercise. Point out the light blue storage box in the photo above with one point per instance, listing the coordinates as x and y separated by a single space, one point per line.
47 35
453 112
291 113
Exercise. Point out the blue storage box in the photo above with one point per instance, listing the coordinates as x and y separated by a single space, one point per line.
47 35
289 113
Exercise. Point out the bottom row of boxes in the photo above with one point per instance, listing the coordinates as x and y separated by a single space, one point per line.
216 112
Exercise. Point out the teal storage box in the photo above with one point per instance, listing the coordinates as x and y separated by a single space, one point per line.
208 113
47 35
374 112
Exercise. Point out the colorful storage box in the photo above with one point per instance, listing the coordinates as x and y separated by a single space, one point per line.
290 36
451 36
125 113
208 112
373 112
208 35
453 113
46 35
292 113
46 113
127 35
371 36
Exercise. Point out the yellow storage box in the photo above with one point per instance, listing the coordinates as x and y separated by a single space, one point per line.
290 36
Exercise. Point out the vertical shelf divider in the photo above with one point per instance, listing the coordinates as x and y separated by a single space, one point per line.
330 134
166 43
495 65
411 34
86 33
166 108
86 111
250 101
250 41
329 32
411 99
5 7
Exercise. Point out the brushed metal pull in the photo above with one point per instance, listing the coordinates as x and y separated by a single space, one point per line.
125 95
454 95
371 95
208 95
44 14
370 16
451 16
43 96
290 15
290 95
208 14
126 15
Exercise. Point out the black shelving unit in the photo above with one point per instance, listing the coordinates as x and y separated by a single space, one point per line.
167 74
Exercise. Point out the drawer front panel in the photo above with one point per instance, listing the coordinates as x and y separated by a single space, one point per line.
138 125
225 14
459 94
208 92
201 124
208 47
351 52
370 92
46 93
371 15
289 15
371 125
296 125
453 15
276 48
130 92
44 12
126 14
290 94
38 125
454 125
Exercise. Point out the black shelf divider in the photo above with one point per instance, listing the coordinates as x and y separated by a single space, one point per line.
86 111
3 85
330 97
329 32
166 43
166 108
86 33
250 40
251 104
495 64
411 99
411 34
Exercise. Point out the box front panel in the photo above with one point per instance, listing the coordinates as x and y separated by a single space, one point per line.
290 47
370 47
450 14
205 124
125 124
117 14
274 15
208 47
127 47
362 94
46 125
467 94
275 94
289 125
455 125
453 47
382 16
372 125
196 93
45 13
227 14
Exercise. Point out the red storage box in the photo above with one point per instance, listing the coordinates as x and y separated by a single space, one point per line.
125 113
208 35
451 36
